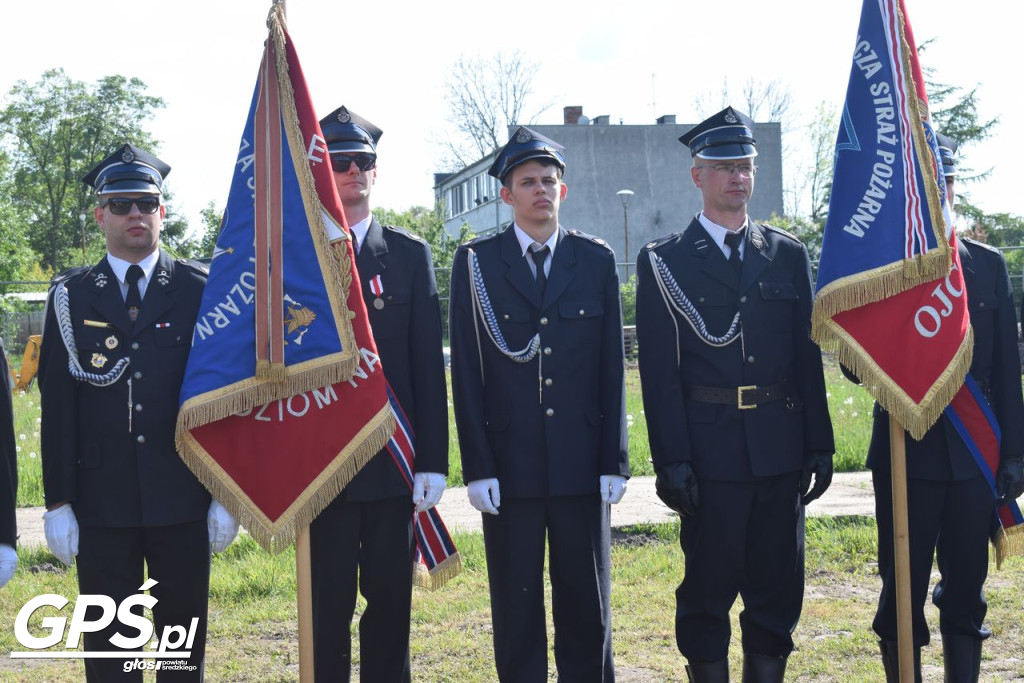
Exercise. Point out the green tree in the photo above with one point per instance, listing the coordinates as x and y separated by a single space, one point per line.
55 131
15 253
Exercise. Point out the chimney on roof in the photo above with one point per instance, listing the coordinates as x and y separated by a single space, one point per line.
667 119
602 120
571 115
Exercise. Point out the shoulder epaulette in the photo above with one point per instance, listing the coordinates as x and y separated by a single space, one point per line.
588 237
983 245
665 239
68 274
481 239
404 232
192 264
772 228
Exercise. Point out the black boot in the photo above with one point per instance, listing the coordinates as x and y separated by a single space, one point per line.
763 668
961 656
891 661
708 672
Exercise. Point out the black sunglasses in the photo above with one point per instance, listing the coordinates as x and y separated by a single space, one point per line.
122 206
364 162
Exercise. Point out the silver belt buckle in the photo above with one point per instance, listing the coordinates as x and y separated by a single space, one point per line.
739 397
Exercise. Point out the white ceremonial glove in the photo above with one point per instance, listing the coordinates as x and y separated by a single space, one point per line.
484 495
61 529
613 487
8 563
427 489
221 525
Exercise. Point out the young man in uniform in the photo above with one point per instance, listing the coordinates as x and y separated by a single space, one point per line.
949 501
115 344
734 395
364 538
537 381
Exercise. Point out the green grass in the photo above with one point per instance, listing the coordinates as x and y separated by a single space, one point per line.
253 617
850 406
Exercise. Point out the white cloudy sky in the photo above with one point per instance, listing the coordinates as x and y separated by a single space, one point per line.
387 60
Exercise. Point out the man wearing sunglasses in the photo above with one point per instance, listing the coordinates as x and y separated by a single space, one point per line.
115 344
364 539
734 395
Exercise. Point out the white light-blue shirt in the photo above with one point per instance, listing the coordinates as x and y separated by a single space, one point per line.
525 242
719 232
120 268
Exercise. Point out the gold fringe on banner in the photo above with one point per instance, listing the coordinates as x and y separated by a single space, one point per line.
274 535
916 418
1007 543
444 572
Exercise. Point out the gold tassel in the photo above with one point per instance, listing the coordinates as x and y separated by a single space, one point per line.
444 572
1008 543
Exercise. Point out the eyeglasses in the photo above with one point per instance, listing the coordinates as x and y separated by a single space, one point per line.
123 206
364 162
745 170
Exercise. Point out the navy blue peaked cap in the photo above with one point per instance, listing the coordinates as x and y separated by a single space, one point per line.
346 131
729 134
129 169
526 145
947 154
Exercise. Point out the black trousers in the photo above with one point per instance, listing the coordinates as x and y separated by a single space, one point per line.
370 543
115 562
747 539
947 519
578 535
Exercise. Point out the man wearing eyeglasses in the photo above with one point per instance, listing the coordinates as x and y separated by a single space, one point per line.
118 496
364 538
737 417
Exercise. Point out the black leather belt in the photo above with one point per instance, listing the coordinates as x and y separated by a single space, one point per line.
744 398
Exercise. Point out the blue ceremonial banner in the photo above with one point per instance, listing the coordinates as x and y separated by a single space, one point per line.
284 398
885 230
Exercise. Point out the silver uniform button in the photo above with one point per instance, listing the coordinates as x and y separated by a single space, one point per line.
549 412
137 374
750 359
582 312
505 316
138 407
135 346
141 438
543 321
743 299
548 382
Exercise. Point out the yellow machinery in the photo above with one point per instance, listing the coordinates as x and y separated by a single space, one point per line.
20 381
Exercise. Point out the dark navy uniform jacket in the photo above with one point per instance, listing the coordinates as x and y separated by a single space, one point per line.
560 442
407 330
941 455
116 475
8 460
774 299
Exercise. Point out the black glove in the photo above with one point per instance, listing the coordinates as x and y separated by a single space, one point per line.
1010 480
676 485
820 465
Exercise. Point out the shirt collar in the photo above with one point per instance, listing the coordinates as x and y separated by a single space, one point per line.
120 266
525 240
718 232
361 228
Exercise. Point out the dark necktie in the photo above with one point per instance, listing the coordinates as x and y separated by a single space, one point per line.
734 240
539 256
355 243
133 302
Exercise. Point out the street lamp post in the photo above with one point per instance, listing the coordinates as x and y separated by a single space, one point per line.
624 195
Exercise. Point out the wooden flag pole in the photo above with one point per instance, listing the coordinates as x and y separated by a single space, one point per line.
304 580
901 549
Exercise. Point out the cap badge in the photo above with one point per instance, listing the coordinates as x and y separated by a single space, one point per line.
344 117
730 118
523 136
128 156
